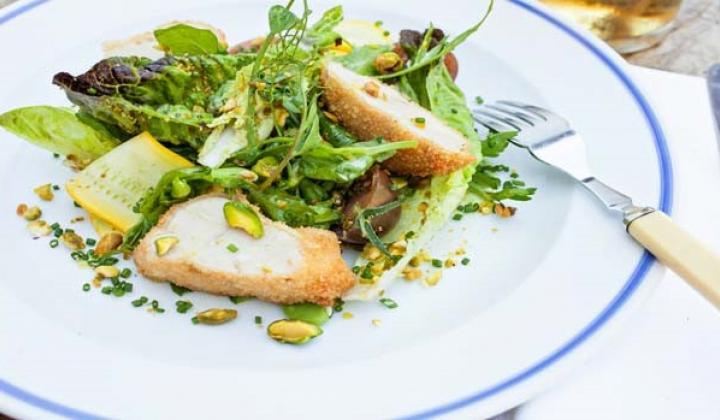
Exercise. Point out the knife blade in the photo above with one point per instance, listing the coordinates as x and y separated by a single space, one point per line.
713 81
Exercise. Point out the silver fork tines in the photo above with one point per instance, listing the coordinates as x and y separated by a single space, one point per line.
550 139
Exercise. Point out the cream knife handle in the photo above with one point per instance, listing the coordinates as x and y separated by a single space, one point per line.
680 252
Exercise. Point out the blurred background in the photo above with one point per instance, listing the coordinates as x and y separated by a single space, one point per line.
681 36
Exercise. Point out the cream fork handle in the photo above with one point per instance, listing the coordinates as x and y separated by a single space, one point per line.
680 252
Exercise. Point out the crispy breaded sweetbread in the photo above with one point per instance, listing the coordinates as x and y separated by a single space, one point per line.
285 265
369 108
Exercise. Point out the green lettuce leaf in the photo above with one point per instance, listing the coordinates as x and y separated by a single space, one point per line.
345 164
442 196
448 103
58 130
182 39
293 210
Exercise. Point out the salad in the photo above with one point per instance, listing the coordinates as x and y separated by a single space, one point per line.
245 170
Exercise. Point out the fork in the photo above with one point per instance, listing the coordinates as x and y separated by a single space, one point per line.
550 139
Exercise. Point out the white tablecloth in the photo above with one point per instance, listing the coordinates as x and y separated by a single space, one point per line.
665 362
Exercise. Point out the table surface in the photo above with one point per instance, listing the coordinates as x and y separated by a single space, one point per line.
692 46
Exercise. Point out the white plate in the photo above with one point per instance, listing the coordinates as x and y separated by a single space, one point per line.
489 336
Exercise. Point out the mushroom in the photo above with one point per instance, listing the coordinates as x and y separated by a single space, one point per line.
372 190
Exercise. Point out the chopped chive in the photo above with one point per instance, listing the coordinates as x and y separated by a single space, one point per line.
479 100
338 305
75 203
179 290
389 303
194 320
182 306
57 232
54 243
155 304
378 23
86 287
55 226
232 248
139 302
386 33
238 299
356 269
420 120
409 234
90 242
126 273
258 319
465 261
457 216
159 310
107 290
437 263
56 187
115 281
118 291
56 155
367 272
128 287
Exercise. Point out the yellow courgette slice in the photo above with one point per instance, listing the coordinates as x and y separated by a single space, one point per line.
111 185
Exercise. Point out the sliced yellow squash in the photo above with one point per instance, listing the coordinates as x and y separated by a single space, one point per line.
358 32
110 186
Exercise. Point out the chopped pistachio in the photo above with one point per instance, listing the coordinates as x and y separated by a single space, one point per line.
39 228
266 166
45 192
72 240
411 273
164 244
107 271
388 62
293 331
108 243
434 278
216 316
372 89
242 216
21 209
33 213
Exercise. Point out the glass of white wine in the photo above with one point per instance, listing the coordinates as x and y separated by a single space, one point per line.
627 25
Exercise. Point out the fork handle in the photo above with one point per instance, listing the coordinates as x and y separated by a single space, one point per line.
680 252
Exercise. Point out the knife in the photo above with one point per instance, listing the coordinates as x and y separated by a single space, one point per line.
713 81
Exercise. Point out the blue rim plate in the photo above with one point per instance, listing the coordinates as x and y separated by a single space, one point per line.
618 301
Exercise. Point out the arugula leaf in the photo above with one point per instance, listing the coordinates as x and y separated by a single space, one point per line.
334 133
58 130
345 164
182 39
487 184
440 50
321 33
361 59
496 143
293 210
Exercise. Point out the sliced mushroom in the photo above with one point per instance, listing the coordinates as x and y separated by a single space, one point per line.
372 190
